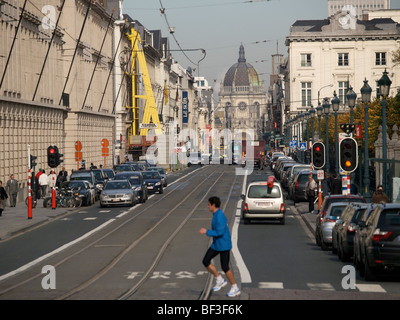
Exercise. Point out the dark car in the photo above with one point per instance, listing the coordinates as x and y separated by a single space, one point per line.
101 178
87 175
328 200
380 241
153 181
344 230
299 185
296 168
109 173
84 190
127 167
162 173
137 182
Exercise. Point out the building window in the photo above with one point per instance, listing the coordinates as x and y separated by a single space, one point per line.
306 94
380 58
306 59
343 88
343 59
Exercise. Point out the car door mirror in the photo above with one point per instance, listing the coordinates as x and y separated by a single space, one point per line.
242 196
339 221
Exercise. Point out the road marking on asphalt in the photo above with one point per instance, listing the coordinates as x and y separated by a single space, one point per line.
90 218
270 285
370 288
320 286
244 272
104 211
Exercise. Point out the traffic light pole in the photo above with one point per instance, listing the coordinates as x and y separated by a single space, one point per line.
29 184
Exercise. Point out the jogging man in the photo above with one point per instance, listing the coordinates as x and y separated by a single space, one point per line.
221 245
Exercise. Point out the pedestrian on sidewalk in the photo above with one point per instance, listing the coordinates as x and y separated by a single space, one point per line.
221 245
12 188
52 179
43 181
310 192
3 198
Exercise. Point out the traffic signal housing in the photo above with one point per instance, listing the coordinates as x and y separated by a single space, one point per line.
52 155
348 155
32 161
318 155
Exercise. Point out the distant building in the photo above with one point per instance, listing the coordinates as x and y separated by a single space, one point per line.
325 57
356 7
243 98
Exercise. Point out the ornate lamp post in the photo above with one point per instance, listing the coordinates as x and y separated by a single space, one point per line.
326 106
335 107
319 114
351 100
384 89
366 98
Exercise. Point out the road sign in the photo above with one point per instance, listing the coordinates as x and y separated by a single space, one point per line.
78 146
303 146
294 143
320 174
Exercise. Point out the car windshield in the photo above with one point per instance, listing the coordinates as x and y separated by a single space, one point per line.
98 174
330 201
336 211
81 176
134 179
303 178
113 185
151 175
109 173
160 170
262 191
76 185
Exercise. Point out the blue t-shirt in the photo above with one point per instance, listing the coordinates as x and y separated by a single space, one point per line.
220 232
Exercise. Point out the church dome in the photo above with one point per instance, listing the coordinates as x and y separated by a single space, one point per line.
242 73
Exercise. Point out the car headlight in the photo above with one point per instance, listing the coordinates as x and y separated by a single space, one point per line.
99 186
158 183
138 189
105 196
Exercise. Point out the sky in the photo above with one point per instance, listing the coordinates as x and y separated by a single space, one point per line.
221 26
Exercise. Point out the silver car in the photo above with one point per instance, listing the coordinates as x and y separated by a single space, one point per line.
332 214
117 192
263 200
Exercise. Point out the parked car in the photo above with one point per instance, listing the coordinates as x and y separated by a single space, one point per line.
117 192
153 181
328 222
328 200
380 242
137 182
299 185
162 173
86 175
85 190
291 175
263 200
194 158
344 230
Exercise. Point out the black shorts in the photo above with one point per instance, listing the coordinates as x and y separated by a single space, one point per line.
224 256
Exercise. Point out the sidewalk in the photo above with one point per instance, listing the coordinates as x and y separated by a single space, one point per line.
14 220
308 218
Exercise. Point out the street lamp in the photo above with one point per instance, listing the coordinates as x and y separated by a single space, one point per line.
351 100
307 117
312 115
319 114
326 106
366 98
384 89
335 107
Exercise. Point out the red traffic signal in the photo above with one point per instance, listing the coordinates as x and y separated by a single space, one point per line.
53 157
318 155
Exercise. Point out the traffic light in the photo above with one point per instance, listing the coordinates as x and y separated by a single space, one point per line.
318 155
52 152
348 155
32 161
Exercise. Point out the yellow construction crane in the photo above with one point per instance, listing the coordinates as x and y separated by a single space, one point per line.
150 116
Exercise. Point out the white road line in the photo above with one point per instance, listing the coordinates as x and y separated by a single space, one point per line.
321 286
244 272
370 288
65 246
270 285
90 218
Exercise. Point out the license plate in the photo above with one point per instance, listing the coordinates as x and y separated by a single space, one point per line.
116 200
150 188
264 204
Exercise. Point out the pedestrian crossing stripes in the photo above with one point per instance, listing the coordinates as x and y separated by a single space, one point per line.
376 288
